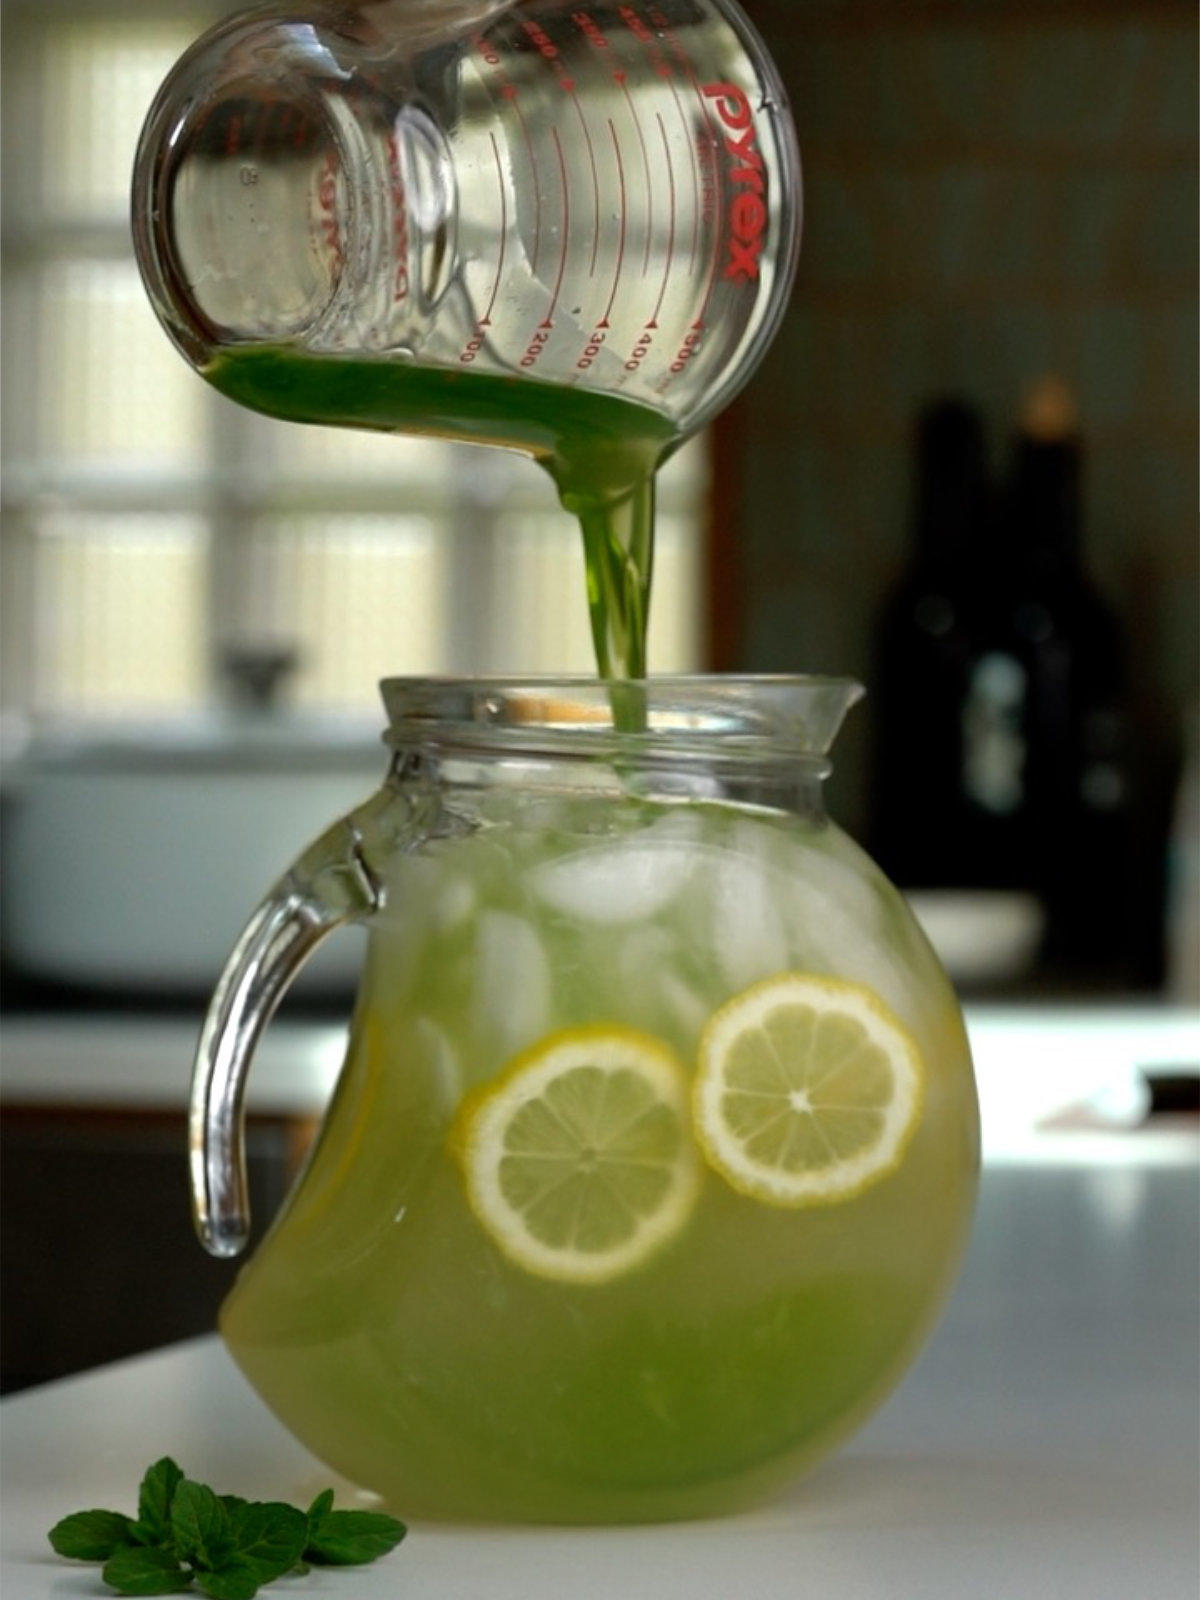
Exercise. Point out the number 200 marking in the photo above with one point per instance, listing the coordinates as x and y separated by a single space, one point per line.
536 347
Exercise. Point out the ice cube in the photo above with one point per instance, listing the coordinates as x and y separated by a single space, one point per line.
749 934
654 993
442 1062
512 983
453 904
833 862
687 1007
835 924
622 880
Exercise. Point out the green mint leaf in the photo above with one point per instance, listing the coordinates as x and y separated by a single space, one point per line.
237 1580
349 1538
154 1501
201 1527
322 1504
269 1537
92 1535
184 1534
140 1569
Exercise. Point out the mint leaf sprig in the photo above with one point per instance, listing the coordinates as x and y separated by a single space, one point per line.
185 1535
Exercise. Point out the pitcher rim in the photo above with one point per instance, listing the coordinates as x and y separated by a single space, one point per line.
788 714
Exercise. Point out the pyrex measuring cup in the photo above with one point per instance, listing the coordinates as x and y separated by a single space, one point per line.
592 194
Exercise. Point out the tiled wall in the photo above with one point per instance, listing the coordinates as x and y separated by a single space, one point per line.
993 190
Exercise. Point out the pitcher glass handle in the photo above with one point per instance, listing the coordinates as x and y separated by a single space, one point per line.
330 884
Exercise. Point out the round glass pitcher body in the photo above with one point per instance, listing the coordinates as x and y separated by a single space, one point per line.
388 213
573 934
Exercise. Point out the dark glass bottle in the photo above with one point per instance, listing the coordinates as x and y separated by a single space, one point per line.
922 832
1045 766
1002 758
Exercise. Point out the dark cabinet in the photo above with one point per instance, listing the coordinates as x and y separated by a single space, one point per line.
98 1254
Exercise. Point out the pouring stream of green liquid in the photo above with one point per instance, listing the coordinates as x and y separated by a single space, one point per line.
601 451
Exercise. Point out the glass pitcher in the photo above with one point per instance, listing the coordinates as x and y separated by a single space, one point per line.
651 1162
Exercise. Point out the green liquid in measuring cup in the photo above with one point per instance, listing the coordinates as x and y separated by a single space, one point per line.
601 451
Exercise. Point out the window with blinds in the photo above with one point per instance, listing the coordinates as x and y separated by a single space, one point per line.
150 526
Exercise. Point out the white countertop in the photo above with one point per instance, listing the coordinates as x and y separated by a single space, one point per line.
128 1061
1056 1082
1045 1447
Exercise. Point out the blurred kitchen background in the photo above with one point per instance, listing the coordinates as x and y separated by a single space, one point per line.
1000 237
997 191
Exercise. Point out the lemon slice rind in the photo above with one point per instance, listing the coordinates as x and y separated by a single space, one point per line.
489 1120
795 1111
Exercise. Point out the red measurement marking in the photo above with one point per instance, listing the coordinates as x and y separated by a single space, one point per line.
542 41
400 241
233 137
676 60
486 49
623 215
713 142
564 232
686 351
695 171
662 293
327 207
515 102
590 29
641 138
636 26
712 135
486 320
591 155
682 60
568 85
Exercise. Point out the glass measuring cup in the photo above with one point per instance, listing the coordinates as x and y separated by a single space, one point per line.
655 1331
601 197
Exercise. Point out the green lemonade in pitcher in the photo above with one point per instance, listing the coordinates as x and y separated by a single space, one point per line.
646 1176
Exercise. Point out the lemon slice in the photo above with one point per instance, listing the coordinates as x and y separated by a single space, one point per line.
579 1160
807 1090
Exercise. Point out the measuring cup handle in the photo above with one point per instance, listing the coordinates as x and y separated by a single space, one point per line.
330 884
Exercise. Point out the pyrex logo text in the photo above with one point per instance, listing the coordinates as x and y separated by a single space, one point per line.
748 208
